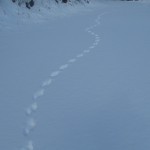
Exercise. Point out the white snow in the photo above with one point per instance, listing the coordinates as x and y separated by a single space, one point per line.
100 95
47 82
63 67
30 145
80 55
55 73
38 94
72 60
34 106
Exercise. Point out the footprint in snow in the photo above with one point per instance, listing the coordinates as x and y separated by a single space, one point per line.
89 31
97 40
38 94
91 47
30 145
55 73
47 82
63 67
80 55
31 124
32 108
96 43
86 51
72 60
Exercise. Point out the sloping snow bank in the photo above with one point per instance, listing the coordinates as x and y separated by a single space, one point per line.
12 14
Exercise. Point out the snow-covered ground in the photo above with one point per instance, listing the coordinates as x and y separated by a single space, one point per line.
76 79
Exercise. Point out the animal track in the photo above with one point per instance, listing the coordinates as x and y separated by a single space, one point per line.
86 51
54 74
80 55
63 67
91 47
47 82
38 94
30 122
29 146
32 108
72 60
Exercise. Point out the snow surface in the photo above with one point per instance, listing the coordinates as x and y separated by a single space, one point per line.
77 80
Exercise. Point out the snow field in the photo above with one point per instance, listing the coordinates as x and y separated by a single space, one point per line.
97 102
31 123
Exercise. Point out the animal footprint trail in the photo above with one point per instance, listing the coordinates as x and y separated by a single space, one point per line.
47 82
32 108
91 47
29 146
39 93
80 55
86 51
64 67
55 73
30 122
72 60
96 43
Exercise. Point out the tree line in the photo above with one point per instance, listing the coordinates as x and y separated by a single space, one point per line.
30 3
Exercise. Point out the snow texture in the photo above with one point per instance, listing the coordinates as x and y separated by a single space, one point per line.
81 75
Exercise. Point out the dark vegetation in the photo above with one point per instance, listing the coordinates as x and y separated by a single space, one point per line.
30 3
